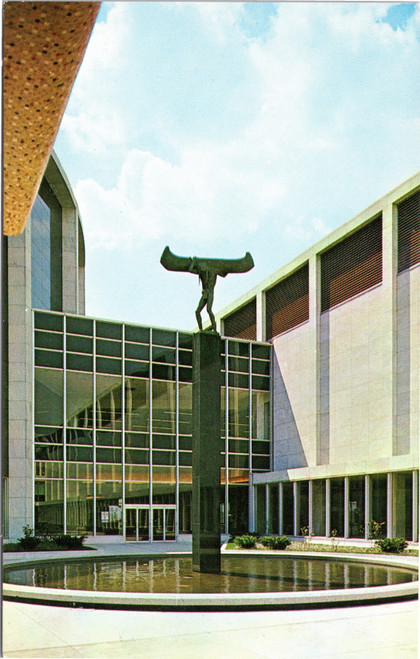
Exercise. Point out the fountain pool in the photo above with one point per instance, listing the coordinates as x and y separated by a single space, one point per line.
268 579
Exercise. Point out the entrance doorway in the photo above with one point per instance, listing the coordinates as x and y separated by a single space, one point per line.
149 524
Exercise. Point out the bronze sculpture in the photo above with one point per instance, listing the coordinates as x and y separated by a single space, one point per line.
207 270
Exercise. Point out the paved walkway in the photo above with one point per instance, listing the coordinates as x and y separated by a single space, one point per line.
385 631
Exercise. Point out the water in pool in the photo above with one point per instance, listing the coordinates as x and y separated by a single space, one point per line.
240 574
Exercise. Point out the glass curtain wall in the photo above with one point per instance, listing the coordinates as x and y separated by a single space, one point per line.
318 507
245 427
113 427
357 507
403 505
379 502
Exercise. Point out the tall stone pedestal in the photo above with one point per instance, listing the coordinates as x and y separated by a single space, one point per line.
206 452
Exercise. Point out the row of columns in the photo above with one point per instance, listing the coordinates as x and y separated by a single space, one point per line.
368 506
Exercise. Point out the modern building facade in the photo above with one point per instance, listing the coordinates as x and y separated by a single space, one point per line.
343 322
113 428
43 267
320 399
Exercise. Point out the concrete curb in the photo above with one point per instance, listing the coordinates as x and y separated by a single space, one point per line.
225 601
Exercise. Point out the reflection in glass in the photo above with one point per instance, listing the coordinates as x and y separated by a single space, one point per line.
303 493
185 499
50 435
79 399
108 402
48 397
378 498
79 436
163 484
185 408
238 413
337 506
318 507
260 508
48 452
136 484
273 519
49 506
108 500
287 505
136 405
403 497
238 509
163 407
79 506
357 506
261 415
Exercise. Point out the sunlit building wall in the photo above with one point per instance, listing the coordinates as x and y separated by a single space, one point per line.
44 268
343 321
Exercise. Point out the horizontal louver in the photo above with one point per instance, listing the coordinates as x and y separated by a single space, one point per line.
352 266
287 303
242 324
409 232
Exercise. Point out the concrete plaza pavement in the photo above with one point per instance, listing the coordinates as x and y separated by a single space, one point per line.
382 631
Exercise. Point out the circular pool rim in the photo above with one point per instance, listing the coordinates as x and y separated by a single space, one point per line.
218 601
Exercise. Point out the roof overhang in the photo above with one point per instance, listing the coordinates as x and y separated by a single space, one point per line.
43 47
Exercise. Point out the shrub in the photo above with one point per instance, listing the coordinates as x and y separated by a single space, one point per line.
10 546
392 545
28 542
374 529
69 541
275 541
46 544
245 541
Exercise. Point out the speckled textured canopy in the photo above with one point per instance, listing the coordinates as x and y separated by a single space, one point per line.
43 47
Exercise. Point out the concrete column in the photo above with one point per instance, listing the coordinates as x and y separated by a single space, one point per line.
251 505
389 285
319 451
267 507
389 516
206 456
70 264
20 459
280 508
310 506
346 507
368 505
296 511
415 495
260 304
327 507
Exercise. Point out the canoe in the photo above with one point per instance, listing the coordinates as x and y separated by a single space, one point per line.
221 267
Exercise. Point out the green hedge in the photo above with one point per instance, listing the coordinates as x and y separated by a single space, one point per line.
275 541
392 545
245 541
30 542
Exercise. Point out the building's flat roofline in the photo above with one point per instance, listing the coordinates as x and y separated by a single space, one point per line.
396 195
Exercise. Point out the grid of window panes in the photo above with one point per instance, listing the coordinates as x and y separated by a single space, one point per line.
113 412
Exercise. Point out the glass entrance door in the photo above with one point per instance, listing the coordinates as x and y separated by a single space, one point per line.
137 528
158 524
137 524
131 524
169 523
143 524
163 524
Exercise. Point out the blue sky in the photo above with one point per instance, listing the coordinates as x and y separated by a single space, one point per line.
217 128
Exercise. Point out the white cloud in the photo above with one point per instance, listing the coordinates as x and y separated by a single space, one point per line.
335 98
91 122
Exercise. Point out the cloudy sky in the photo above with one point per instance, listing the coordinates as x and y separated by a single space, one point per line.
217 128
